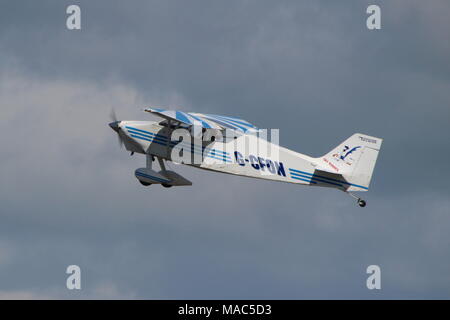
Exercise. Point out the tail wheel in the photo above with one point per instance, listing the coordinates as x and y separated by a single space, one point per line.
144 183
165 185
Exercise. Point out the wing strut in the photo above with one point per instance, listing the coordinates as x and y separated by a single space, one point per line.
169 127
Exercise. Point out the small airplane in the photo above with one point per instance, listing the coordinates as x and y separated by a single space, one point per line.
227 144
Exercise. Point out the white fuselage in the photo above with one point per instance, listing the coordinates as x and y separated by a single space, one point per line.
243 155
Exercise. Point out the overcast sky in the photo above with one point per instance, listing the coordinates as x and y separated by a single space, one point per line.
310 68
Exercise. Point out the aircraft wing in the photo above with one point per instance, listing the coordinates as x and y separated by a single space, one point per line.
208 121
183 117
227 122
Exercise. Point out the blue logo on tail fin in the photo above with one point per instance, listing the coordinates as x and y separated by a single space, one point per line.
348 152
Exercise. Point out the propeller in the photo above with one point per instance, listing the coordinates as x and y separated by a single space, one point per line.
115 125
113 115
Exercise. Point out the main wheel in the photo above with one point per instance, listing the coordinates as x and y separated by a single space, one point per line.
144 183
165 185
361 203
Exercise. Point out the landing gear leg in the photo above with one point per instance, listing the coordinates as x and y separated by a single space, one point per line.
361 202
149 160
161 164
163 169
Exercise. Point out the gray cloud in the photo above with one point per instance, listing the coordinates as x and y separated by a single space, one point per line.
312 69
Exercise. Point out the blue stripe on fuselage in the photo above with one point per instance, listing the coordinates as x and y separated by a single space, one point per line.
294 171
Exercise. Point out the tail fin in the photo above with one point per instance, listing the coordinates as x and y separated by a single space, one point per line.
354 159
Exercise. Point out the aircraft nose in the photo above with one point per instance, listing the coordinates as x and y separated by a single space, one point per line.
115 125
